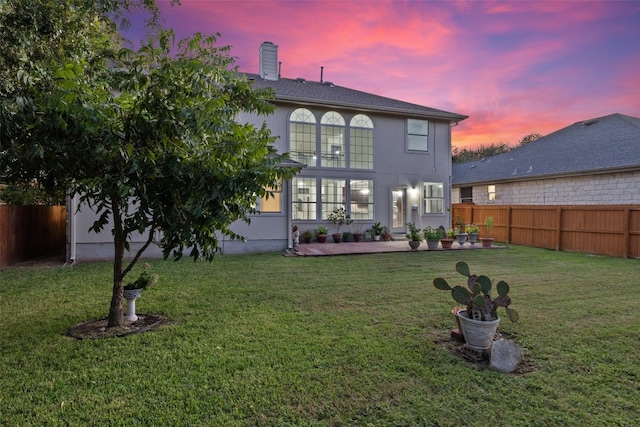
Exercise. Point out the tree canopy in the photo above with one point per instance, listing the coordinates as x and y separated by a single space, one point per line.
149 139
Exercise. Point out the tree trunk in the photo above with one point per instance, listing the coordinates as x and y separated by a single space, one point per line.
116 317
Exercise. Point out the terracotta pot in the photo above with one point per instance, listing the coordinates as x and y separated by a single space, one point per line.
487 242
321 238
446 243
357 237
337 237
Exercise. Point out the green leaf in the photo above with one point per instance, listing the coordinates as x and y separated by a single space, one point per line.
441 284
479 301
463 268
503 288
461 295
485 284
512 315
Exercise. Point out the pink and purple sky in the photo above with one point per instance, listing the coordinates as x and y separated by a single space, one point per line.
514 67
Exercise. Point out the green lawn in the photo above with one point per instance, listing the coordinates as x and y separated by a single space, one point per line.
353 340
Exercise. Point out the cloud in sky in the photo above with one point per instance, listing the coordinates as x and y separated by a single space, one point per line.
513 67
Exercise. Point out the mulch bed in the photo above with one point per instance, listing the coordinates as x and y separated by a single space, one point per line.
97 328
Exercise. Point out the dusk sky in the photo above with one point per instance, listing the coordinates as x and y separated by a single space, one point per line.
513 67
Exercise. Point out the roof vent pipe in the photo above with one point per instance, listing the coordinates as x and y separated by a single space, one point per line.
279 69
321 73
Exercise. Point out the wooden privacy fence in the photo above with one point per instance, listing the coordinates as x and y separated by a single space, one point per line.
31 231
607 230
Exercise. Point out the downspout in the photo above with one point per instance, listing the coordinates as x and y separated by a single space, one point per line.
73 237
289 213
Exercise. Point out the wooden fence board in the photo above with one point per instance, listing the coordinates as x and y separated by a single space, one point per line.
608 230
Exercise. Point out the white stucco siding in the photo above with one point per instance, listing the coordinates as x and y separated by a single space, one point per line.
605 189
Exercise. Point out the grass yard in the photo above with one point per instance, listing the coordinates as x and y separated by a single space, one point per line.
329 341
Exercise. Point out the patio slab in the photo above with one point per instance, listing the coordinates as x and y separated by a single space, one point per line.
371 247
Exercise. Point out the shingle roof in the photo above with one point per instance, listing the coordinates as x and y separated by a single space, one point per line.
307 92
604 144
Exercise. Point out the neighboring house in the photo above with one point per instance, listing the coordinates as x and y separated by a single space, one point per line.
593 162
382 159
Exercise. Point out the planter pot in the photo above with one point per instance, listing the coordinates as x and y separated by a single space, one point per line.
347 236
432 244
131 296
473 238
357 237
415 244
478 334
487 242
461 238
321 238
376 237
337 237
386 237
446 243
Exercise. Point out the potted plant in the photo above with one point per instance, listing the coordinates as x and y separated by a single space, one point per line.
472 231
432 236
306 236
386 234
414 237
347 236
488 225
447 240
377 229
133 290
357 234
321 233
479 321
461 236
338 217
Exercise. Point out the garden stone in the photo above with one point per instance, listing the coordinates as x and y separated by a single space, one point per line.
505 356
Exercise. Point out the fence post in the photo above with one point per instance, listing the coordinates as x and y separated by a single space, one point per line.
627 234
559 229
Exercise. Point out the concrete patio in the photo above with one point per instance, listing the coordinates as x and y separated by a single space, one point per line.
371 247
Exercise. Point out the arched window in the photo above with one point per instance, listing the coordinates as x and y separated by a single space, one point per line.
333 140
302 136
361 142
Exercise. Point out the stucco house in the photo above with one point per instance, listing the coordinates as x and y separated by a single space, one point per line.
381 159
591 162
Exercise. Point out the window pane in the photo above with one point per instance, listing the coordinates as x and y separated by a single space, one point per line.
361 143
433 197
333 147
417 135
272 203
361 199
304 198
333 195
417 127
417 143
302 136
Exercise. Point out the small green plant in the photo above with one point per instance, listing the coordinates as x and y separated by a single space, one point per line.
471 228
488 224
306 236
144 281
451 233
432 234
339 217
377 228
414 233
321 229
477 297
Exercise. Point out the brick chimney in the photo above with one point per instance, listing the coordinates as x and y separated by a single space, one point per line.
269 61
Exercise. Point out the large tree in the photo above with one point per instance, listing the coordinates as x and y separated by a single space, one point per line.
148 138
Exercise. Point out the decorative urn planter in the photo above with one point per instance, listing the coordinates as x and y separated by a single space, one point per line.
414 244
473 238
461 238
433 244
131 295
477 333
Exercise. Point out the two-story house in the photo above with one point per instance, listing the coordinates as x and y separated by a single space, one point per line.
381 159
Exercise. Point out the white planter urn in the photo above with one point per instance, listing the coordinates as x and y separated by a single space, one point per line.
131 295
477 333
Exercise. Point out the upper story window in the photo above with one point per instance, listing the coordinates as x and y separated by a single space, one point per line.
491 193
361 142
302 135
417 135
333 140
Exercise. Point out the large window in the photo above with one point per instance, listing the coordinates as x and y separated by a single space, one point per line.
361 199
433 198
302 135
304 198
361 142
333 140
417 135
